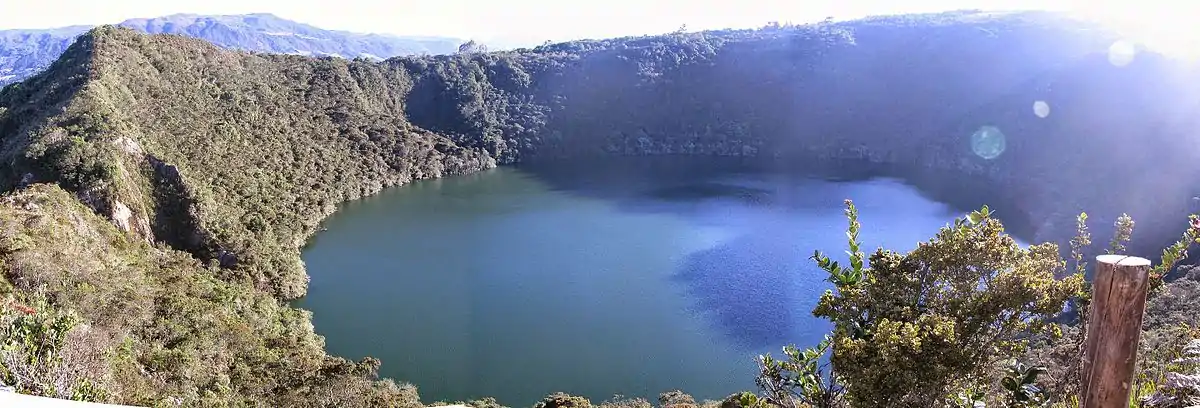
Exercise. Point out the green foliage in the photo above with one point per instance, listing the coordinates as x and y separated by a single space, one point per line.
1082 239
116 319
1165 364
1020 386
562 400
676 399
487 402
621 402
230 156
1124 233
1171 306
745 399
973 398
232 159
39 337
39 356
669 399
800 380
1175 304
916 329
854 274
903 325
1176 252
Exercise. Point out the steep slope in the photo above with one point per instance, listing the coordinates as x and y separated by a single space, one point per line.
902 94
217 164
25 52
160 189
115 319
231 156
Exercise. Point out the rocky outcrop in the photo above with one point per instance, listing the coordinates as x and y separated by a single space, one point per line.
127 221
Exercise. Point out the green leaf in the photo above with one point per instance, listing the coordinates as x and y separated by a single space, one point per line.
1009 383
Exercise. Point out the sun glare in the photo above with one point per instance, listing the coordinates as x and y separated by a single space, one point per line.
1172 31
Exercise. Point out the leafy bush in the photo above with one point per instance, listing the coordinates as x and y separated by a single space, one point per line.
1180 387
562 400
40 354
915 329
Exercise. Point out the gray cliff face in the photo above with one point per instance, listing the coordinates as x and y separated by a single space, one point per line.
26 52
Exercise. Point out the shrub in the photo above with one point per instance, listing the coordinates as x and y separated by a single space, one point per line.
621 402
562 400
42 354
119 320
916 329
676 399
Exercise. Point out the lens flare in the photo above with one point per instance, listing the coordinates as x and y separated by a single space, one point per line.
1041 109
1121 53
1167 28
988 142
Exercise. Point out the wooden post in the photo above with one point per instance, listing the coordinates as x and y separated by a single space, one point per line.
1114 328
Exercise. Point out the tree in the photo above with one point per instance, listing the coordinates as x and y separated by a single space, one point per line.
915 329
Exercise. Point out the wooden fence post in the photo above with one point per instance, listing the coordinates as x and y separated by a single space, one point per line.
1114 329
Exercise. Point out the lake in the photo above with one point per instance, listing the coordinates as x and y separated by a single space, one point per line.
630 277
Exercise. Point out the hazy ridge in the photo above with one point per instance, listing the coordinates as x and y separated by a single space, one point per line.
25 52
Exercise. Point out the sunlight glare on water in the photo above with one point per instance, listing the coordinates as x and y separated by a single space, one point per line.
988 142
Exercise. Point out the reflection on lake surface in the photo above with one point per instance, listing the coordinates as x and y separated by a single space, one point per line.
631 278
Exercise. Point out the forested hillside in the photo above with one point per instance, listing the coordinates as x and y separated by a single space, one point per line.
205 169
231 157
906 92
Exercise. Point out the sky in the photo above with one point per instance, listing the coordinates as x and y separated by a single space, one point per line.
535 21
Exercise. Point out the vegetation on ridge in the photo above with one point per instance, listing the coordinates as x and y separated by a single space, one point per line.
231 156
159 188
217 165
906 92
23 53
90 312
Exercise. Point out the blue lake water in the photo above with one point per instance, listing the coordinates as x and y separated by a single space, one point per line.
628 279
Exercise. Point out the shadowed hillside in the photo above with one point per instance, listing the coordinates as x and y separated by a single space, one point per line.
905 92
218 164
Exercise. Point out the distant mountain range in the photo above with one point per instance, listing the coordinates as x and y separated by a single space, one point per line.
25 52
